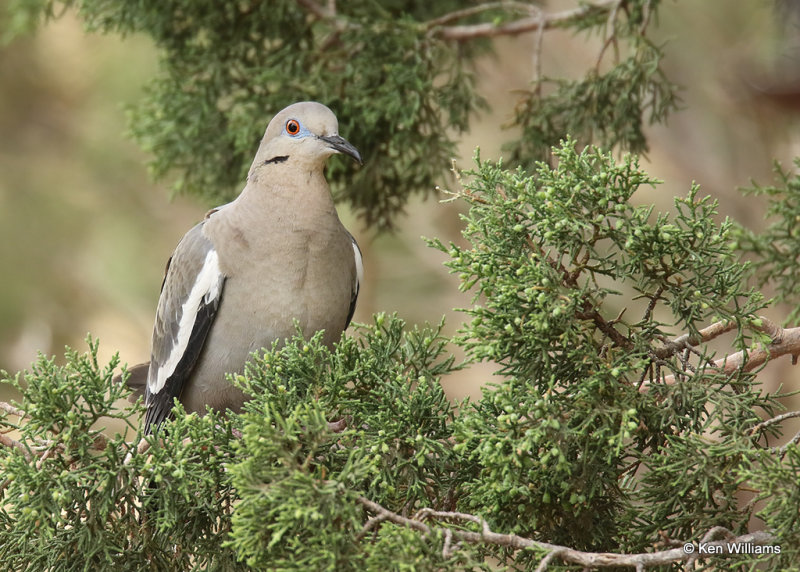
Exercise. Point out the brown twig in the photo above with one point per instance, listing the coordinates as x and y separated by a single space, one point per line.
8 408
567 555
748 360
654 298
590 313
9 442
474 10
46 455
536 57
784 341
438 27
589 309
521 26
781 451
141 448
44 448
705 335
611 34
766 423
322 12
716 530
545 562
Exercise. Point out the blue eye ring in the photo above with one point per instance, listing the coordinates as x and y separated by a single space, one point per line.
292 127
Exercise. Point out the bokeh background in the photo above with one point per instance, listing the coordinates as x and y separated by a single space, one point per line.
85 233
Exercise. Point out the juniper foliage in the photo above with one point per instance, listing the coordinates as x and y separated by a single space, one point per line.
607 428
777 248
400 88
581 440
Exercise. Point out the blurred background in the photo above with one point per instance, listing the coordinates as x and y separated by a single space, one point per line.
85 234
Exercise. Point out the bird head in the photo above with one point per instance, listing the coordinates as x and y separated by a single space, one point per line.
307 132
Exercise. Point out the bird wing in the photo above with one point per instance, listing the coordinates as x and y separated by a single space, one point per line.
190 296
358 280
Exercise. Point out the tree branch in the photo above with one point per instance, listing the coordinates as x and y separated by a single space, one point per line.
521 26
702 336
473 10
8 408
768 422
784 341
438 27
782 450
43 448
321 12
142 447
329 15
9 442
567 555
611 34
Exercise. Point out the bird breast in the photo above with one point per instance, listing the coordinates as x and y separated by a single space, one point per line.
306 276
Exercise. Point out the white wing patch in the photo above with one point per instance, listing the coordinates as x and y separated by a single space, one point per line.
206 287
359 267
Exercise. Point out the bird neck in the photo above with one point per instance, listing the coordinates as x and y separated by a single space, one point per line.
292 192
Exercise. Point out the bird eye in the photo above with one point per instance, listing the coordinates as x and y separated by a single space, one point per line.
292 127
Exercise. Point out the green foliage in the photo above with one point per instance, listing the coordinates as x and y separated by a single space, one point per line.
285 454
48 497
775 478
575 249
72 499
226 68
777 248
385 388
609 427
229 492
634 91
401 89
555 440
602 432
19 17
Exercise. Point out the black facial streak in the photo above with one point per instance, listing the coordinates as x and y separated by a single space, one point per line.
278 159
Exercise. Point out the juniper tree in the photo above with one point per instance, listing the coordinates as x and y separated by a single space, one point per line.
612 434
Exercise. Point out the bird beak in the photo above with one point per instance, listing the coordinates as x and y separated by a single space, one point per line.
342 145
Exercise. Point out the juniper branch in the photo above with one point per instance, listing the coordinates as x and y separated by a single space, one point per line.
784 341
567 555
778 419
480 8
8 408
544 21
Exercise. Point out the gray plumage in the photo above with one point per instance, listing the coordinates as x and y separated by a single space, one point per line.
239 279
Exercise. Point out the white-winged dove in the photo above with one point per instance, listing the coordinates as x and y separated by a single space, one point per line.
239 279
